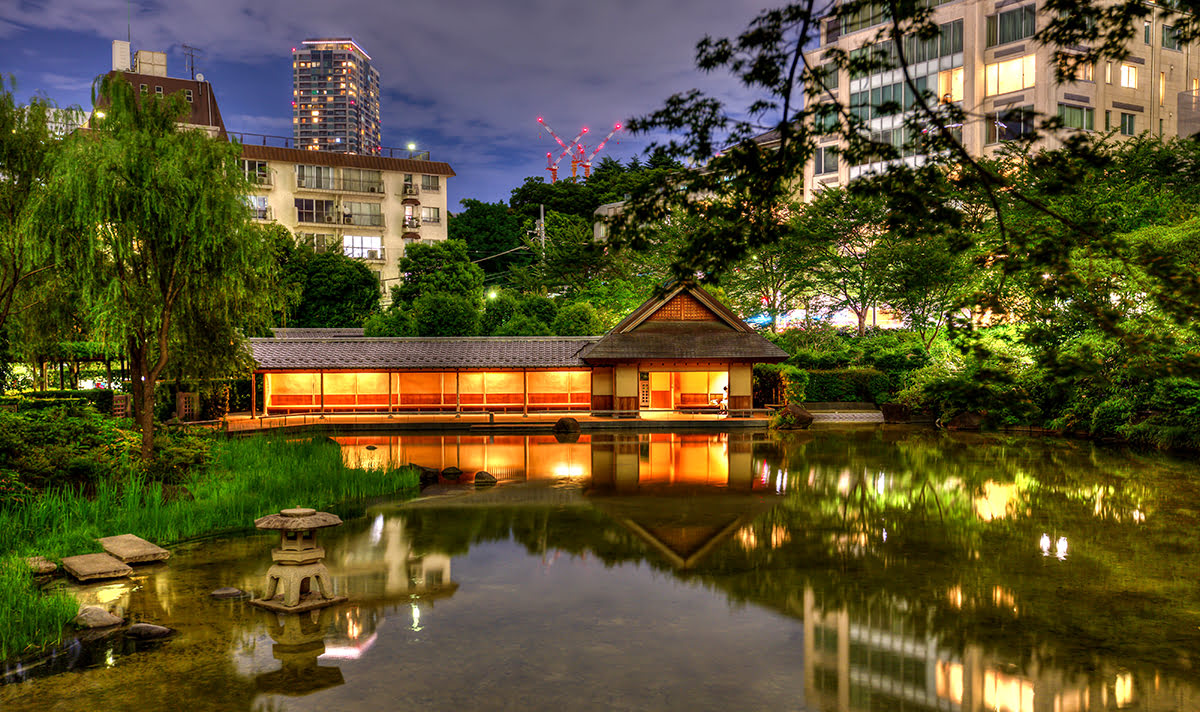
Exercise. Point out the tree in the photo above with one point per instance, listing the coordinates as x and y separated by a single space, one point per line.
150 220
26 153
439 267
578 319
926 279
496 311
445 314
493 235
524 325
338 292
391 322
569 261
850 230
570 196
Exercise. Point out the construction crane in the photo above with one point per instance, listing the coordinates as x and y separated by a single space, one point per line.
586 160
552 165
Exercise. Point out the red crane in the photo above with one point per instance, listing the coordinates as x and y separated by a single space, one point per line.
579 154
552 165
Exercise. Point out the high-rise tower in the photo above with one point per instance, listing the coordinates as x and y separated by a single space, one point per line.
335 97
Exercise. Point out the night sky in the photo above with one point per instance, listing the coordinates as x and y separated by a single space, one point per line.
464 79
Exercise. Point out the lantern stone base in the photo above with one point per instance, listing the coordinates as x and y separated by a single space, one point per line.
308 602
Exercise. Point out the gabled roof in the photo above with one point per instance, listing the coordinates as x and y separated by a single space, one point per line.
684 323
416 354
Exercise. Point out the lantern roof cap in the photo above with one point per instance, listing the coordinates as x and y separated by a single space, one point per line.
298 518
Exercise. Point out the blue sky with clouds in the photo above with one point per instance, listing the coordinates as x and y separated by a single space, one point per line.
465 79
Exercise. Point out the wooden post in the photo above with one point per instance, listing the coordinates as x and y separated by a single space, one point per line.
524 393
389 408
457 396
322 391
253 395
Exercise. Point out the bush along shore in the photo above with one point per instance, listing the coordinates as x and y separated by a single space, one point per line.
72 476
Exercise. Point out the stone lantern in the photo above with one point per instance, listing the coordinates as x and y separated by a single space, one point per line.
298 580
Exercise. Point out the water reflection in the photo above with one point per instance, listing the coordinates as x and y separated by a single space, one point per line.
897 570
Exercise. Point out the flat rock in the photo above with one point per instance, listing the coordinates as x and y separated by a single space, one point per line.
41 566
147 631
96 617
88 567
133 549
452 473
483 478
229 592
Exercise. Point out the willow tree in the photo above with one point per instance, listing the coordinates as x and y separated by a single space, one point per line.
149 220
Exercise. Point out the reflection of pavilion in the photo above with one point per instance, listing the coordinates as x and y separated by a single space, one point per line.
875 655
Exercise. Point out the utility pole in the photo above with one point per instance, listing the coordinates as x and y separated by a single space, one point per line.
541 228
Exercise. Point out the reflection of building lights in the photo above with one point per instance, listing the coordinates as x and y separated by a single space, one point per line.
568 470
885 534
956 596
109 658
747 538
377 530
1060 548
1138 516
779 536
950 681
881 484
416 617
1045 544
1123 689
349 652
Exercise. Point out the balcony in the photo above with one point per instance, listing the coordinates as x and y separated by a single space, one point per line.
362 220
356 185
340 185
263 180
366 254
412 223
317 218
408 189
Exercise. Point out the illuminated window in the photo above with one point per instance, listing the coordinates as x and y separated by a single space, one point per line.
1012 75
1108 72
950 85
1129 76
431 215
1077 117
1162 87
1083 72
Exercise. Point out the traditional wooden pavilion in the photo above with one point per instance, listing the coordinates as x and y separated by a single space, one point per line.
682 351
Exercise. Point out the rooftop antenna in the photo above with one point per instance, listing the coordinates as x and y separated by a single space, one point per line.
129 21
190 52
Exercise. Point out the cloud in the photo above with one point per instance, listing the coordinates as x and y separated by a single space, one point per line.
465 78
68 83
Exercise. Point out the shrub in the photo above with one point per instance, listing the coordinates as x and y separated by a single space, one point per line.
497 311
849 384
523 325
795 384
101 398
393 322
904 358
821 360
1111 415
767 384
443 314
538 307
578 319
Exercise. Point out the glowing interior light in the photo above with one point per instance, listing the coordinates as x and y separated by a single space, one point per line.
1045 544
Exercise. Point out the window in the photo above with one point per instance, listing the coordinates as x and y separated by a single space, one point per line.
158 90
1013 75
1170 38
429 183
867 16
431 215
1129 76
144 89
1077 117
1011 26
363 247
187 94
1008 124
258 207
1128 126
950 85
1108 121
1147 32
949 41
314 211
825 160
362 180
1108 72
256 171
1083 72
320 242
319 177
362 214
829 75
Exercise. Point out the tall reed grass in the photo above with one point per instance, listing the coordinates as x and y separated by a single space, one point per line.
246 479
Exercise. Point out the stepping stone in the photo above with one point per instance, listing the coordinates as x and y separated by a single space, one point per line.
90 567
133 549
148 631
96 617
229 593
41 566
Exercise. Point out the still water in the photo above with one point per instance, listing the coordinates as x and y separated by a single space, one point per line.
876 569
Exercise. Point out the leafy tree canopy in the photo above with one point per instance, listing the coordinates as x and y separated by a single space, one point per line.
441 267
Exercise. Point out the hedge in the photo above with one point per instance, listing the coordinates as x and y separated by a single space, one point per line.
101 398
849 385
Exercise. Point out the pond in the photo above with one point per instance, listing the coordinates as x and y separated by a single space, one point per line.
845 569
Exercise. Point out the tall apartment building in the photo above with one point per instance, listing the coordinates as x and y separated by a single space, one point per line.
335 97
370 206
987 61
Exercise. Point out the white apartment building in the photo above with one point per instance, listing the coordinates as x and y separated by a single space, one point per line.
370 206
987 61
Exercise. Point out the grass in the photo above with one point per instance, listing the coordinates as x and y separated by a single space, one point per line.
246 479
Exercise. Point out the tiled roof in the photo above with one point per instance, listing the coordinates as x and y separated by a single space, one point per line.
698 340
345 160
420 353
294 333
